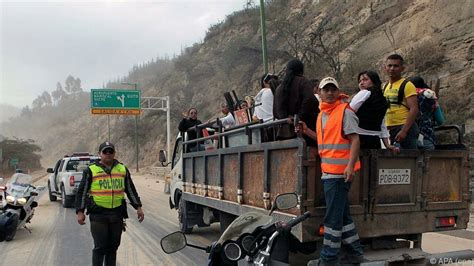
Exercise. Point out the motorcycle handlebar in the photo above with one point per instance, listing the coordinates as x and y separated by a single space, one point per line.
297 220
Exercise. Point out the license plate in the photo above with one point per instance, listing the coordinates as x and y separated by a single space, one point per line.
394 176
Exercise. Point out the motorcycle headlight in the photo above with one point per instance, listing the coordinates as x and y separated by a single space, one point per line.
232 251
10 199
22 201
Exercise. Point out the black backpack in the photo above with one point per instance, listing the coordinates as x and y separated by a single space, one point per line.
401 93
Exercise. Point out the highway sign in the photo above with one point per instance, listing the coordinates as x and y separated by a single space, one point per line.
14 161
121 102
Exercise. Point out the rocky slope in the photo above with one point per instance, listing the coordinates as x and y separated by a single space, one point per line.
435 37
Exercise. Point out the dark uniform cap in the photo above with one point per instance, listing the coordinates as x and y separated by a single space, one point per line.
106 145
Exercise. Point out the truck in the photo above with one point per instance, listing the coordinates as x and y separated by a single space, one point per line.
394 198
65 177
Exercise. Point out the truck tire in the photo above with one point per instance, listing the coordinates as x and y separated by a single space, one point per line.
183 218
225 220
65 200
51 196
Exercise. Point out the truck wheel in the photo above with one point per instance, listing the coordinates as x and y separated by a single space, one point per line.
65 200
183 218
51 196
225 220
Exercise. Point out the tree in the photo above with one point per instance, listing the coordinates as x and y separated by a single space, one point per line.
72 85
58 94
46 98
23 150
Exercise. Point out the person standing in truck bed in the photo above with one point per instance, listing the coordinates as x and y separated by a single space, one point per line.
338 147
190 120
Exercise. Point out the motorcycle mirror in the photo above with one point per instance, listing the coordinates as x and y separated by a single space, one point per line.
50 170
286 201
173 242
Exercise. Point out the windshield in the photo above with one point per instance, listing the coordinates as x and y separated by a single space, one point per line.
19 184
77 165
245 223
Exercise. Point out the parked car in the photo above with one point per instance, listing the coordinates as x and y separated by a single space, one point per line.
66 176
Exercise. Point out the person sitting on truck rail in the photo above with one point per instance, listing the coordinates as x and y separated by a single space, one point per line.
338 148
228 119
264 97
190 120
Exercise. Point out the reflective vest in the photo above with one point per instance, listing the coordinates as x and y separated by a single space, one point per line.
107 190
333 148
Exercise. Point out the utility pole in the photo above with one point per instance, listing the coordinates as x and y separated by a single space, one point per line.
264 36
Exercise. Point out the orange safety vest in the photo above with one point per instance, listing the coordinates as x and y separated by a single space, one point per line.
333 147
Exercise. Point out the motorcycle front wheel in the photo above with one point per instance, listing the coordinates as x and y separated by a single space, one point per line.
8 225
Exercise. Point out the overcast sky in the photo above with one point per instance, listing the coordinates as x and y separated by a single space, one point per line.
42 42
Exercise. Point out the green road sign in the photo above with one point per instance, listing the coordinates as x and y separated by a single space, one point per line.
14 161
105 101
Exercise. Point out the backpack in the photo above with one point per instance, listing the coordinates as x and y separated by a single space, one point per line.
401 93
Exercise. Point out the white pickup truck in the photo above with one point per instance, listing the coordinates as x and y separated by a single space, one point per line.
66 175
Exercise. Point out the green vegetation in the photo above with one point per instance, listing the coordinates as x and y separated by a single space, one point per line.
25 152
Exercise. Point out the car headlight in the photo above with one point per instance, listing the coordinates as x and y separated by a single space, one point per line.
22 201
10 199
232 251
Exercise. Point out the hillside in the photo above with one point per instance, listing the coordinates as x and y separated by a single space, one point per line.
342 39
8 111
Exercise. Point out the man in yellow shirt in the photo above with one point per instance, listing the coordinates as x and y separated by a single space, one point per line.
403 108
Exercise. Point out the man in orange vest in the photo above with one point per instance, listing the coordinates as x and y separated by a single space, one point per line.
338 147
102 192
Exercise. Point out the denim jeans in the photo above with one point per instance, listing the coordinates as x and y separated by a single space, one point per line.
338 225
411 140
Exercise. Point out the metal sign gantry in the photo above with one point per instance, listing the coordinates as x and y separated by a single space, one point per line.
161 104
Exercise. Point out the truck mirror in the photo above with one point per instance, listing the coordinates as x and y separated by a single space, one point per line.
162 156
50 170
286 201
173 242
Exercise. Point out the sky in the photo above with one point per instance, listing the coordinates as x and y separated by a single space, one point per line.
42 42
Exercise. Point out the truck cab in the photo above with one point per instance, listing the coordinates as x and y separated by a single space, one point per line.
65 177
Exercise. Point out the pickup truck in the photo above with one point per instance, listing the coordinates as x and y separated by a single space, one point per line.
66 175
394 199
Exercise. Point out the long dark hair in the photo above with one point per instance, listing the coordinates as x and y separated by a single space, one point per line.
374 77
294 67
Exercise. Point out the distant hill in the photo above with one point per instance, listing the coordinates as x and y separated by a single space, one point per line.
8 111
338 38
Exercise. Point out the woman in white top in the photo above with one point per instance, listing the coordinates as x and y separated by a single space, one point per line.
264 100
370 106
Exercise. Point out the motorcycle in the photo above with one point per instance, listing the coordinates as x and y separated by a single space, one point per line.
249 240
18 203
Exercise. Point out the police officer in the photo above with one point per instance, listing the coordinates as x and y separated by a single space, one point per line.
101 192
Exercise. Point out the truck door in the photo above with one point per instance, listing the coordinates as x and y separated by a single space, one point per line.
176 168
395 181
55 174
446 180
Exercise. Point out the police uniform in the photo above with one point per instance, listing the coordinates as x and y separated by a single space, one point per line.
101 192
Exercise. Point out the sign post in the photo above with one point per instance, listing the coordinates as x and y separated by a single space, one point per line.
117 102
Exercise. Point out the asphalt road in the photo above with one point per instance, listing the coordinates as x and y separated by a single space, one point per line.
57 239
